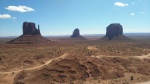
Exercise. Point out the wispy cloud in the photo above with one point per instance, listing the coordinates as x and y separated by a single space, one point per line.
142 12
120 4
20 8
5 16
132 14
14 19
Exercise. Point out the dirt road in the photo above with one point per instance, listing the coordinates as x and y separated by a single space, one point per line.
148 82
100 56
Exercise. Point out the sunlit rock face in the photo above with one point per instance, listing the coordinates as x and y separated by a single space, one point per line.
30 29
114 31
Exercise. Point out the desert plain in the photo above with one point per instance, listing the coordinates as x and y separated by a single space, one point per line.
76 61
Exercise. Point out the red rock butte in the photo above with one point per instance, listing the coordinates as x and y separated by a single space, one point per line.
31 35
30 29
76 34
114 32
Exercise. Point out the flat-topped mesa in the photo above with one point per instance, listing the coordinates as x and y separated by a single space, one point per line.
30 29
114 31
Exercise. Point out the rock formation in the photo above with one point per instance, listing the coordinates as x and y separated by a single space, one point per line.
30 29
114 31
31 35
76 34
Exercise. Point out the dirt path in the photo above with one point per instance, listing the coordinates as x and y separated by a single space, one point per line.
143 56
8 77
139 57
46 63
100 56
148 82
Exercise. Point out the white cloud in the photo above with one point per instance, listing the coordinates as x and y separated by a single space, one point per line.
120 4
5 16
20 8
132 13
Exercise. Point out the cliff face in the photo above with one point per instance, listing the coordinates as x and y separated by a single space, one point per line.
30 29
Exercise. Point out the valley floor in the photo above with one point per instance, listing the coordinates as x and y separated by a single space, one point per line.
76 62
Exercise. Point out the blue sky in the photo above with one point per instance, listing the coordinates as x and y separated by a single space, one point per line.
61 17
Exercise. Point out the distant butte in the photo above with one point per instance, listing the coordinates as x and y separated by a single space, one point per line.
76 34
114 32
31 35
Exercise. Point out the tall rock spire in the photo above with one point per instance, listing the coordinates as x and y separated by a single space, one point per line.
39 30
38 27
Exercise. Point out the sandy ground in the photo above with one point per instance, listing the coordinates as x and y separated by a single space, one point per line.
92 48
148 82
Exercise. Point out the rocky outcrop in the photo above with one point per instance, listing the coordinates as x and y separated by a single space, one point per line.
30 29
31 35
114 31
76 34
